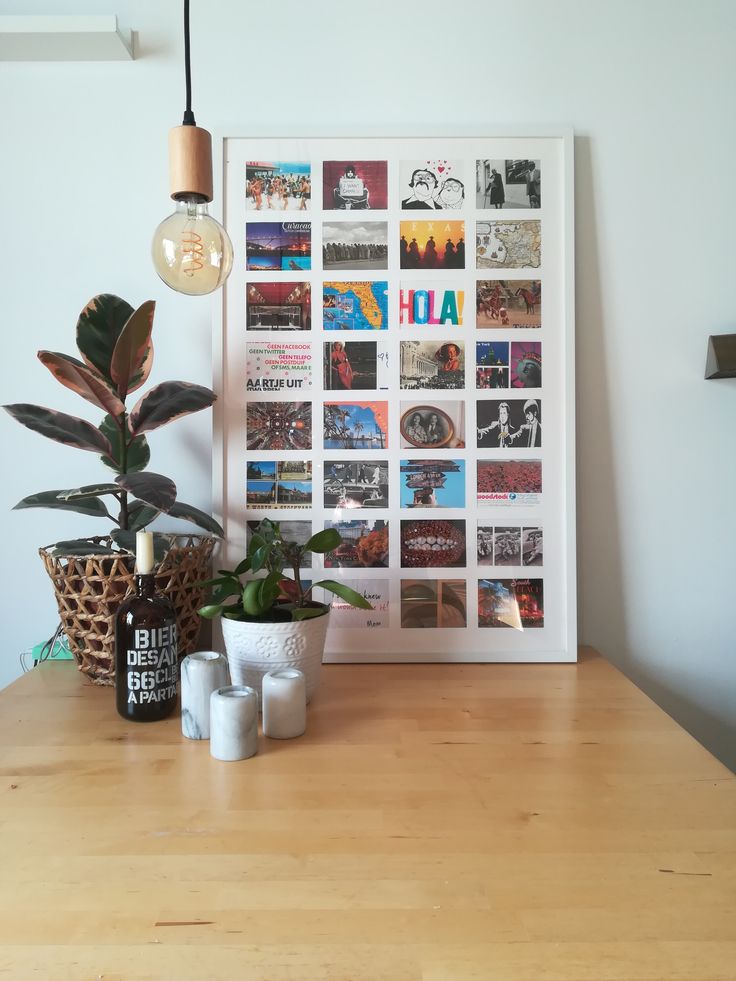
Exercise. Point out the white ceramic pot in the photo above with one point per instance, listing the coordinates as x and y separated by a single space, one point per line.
254 649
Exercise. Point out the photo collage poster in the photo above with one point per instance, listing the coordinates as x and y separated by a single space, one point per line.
395 351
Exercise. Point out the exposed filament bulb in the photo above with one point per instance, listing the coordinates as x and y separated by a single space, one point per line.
191 251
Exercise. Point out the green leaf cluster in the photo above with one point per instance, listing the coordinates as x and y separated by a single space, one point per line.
274 596
114 342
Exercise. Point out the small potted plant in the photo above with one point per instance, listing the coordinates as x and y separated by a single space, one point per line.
91 576
273 621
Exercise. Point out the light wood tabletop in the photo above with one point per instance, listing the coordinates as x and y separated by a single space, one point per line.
436 823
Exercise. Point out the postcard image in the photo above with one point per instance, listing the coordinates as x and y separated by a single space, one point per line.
432 425
432 365
275 366
355 365
355 185
355 245
279 484
508 184
526 364
433 603
509 482
532 546
430 304
437 244
432 185
278 425
278 306
355 425
376 592
431 543
272 246
277 186
508 244
508 303
295 531
507 423
355 306
356 484
364 545
516 603
492 364
432 483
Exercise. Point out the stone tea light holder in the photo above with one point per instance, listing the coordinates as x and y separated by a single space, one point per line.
284 703
201 673
234 722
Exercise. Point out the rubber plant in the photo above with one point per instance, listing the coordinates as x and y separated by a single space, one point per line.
276 597
114 341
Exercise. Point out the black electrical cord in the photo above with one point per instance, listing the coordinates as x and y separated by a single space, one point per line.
188 114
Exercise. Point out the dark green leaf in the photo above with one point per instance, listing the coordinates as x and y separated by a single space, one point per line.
51 499
138 455
307 612
80 546
218 581
344 592
60 427
83 380
242 567
256 541
230 588
233 613
151 488
166 402
98 328
126 540
141 515
323 541
197 517
258 559
132 356
269 590
211 611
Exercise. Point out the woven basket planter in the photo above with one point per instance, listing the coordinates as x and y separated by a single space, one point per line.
89 589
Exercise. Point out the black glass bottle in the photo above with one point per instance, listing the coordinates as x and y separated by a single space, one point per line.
146 662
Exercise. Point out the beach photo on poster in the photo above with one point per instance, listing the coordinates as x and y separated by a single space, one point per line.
349 366
431 185
356 484
526 364
492 364
516 603
437 244
509 482
271 246
278 484
355 306
364 545
293 531
278 306
355 245
345 616
508 303
433 603
508 244
275 366
277 186
432 483
507 423
423 304
433 425
278 425
355 425
433 543
354 185
431 365
508 184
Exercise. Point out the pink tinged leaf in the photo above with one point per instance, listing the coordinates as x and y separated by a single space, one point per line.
166 402
60 427
77 377
151 488
132 356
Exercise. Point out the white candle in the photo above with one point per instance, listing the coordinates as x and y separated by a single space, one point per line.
201 673
143 552
234 723
284 701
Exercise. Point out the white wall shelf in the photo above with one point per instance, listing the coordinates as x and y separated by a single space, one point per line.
64 38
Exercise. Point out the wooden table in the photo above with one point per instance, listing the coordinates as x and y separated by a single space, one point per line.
437 822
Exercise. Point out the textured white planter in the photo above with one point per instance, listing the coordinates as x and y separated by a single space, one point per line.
254 649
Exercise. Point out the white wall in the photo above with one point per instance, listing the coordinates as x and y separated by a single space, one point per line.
648 88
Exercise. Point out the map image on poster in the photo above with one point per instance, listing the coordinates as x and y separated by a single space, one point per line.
355 306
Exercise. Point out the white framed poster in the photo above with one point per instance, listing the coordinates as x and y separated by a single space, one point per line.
394 358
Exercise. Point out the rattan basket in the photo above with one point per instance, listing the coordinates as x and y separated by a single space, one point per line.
90 588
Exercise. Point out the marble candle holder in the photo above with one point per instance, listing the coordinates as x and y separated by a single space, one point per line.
234 722
201 673
284 703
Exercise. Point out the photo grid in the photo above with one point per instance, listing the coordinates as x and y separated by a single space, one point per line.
410 382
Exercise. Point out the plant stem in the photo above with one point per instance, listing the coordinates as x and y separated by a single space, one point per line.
123 425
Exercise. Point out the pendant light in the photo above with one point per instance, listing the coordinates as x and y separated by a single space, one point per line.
191 251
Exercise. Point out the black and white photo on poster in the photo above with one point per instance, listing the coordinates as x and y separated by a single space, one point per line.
508 184
356 484
433 425
432 365
433 603
355 245
354 185
507 423
432 185
512 546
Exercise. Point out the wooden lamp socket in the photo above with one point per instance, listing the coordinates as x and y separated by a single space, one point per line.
190 163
